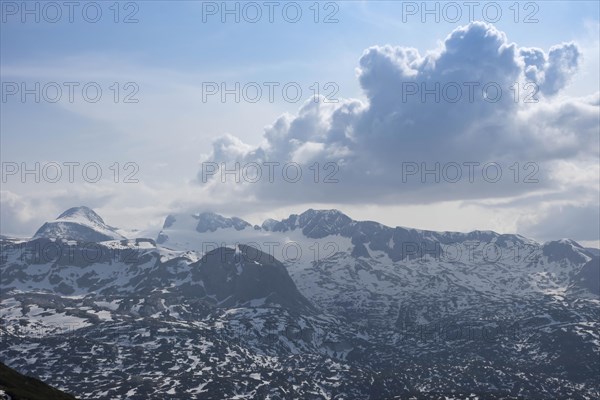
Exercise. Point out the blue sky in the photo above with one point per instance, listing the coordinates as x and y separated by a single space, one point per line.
170 52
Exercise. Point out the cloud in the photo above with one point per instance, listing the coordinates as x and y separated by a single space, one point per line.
456 105
23 213
565 221
354 153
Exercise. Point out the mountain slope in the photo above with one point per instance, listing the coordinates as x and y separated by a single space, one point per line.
248 275
185 232
224 277
178 229
21 387
78 223
314 306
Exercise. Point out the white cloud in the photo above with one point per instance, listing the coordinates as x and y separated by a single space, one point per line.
307 152
372 142
476 53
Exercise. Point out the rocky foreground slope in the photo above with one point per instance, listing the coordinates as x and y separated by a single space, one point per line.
15 386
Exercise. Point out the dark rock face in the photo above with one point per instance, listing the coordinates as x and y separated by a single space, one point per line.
162 238
238 277
314 223
169 221
19 386
589 276
318 224
210 222
563 250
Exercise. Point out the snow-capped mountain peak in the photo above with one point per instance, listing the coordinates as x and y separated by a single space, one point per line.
81 214
209 221
78 223
314 223
363 295
182 230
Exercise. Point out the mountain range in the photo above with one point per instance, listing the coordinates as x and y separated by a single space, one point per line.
316 305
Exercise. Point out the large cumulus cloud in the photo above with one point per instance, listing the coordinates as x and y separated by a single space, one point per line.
371 142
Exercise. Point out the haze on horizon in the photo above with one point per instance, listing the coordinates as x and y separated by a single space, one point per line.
156 155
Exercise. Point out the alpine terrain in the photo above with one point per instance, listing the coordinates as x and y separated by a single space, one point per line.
314 306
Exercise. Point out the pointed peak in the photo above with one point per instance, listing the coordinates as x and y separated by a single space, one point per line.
81 213
80 224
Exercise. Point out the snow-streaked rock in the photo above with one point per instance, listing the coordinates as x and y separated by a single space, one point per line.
314 306
78 223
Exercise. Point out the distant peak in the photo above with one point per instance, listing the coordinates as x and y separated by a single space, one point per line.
570 242
81 212
333 211
324 215
78 223
269 224
210 222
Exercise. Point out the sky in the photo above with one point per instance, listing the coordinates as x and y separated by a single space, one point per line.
147 104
